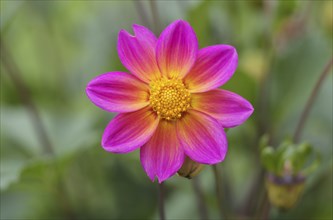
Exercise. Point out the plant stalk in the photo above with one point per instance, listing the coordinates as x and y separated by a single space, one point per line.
161 200
24 93
303 118
200 198
310 101
156 19
218 189
142 12
16 76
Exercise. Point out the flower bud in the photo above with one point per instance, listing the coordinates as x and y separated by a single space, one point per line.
190 168
284 192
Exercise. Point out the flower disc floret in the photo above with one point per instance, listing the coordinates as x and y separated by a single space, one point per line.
169 98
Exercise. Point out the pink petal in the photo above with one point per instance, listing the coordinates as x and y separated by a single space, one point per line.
137 53
176 49
227 107
202 137
118 92
129 131
214 66
162 155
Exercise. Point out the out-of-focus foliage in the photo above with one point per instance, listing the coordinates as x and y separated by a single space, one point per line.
288 167
290 159
59 46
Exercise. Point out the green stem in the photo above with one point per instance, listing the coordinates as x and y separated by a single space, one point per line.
264 123
24 93
310 101
156 20
200 198
142 12
303 118
218 188
161 200
16 76
266 209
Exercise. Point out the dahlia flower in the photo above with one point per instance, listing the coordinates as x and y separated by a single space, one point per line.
169 105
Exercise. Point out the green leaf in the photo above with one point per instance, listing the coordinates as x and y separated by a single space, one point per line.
313 165
303 152
10 171
283 153
268 159
263 142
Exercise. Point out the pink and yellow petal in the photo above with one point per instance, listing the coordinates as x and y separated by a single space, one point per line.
227 107
162 156
118 92
176 49
129 131
214 66
202 137
137 53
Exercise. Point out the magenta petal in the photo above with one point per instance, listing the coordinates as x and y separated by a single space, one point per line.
118 92
129 131
176 49
227 107
202 137
162 155
137 53
214 66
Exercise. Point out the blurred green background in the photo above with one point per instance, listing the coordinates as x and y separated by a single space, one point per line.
58 46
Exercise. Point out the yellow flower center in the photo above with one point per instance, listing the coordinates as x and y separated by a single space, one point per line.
169 98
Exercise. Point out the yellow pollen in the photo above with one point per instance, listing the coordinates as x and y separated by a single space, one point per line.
169 98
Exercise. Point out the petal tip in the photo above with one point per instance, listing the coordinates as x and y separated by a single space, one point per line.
142 33
152 178
137 26
160 181
123 33
249 107
88 89
162 178
105 145
176 49
217 160
181 21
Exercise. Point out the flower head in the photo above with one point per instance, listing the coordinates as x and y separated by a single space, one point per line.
169 105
